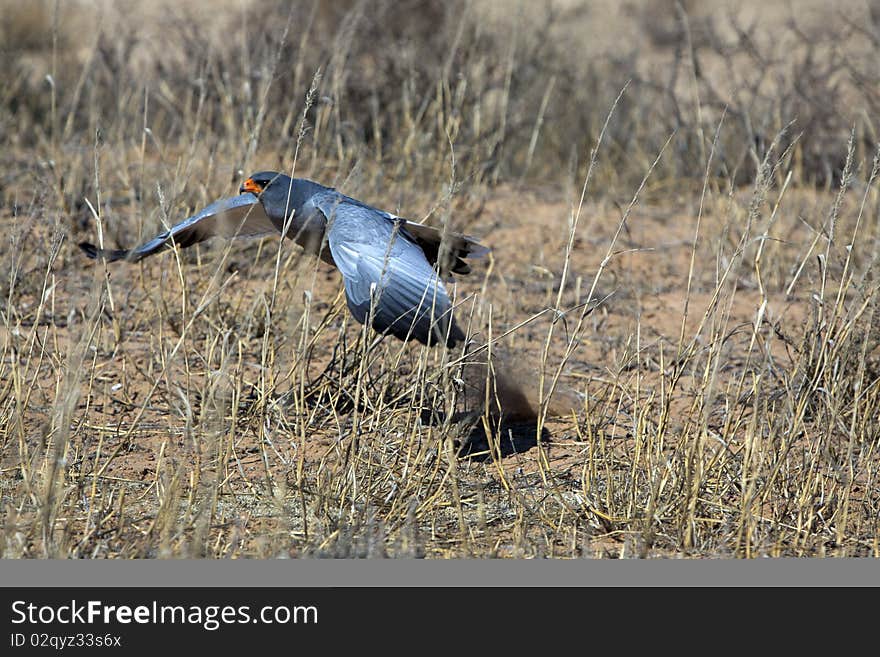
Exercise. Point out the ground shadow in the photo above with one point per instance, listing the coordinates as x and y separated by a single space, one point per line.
514 437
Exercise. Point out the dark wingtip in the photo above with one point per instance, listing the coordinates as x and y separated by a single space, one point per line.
476 250
109 255
89 249
456 335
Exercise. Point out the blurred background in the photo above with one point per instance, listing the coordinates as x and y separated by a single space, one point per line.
518 90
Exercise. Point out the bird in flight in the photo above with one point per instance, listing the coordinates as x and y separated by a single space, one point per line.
393 269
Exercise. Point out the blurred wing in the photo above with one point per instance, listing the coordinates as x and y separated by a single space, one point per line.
237 216
384 268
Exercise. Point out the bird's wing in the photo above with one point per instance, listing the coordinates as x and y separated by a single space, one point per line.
383 268
444 248
237 216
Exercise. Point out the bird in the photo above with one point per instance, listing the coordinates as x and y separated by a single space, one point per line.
393 269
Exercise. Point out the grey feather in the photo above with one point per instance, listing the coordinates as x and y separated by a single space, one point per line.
237 216
385 272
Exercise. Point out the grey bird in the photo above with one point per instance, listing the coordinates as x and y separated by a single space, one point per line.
393 269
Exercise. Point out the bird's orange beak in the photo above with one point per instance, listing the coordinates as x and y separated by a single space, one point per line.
250 186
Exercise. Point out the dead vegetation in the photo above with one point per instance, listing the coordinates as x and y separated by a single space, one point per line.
675 346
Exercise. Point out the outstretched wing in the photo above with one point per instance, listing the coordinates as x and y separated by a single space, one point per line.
237 216
386 273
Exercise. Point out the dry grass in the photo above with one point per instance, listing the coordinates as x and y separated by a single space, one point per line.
675 346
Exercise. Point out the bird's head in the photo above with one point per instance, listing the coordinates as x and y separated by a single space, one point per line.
258 182
279 194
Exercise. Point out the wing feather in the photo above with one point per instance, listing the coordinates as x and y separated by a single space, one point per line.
237 216
385 272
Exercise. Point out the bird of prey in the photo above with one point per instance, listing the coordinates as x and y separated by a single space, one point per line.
393 269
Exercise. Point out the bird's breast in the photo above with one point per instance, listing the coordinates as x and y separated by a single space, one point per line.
308 230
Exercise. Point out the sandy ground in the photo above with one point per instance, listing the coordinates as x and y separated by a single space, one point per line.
143 414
